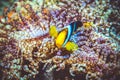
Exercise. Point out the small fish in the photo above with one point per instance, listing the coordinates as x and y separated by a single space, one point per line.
45 11
87 25
10 15
62 38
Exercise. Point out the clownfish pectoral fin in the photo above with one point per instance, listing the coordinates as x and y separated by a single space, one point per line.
53 31
71 46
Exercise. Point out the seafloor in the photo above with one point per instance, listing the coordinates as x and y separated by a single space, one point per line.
28 52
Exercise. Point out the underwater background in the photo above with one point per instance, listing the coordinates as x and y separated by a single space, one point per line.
59 39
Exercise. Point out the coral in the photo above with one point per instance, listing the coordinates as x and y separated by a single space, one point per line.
28 52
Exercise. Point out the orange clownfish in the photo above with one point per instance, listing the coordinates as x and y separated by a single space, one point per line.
62 37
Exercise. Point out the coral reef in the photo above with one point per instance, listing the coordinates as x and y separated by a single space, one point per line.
28 52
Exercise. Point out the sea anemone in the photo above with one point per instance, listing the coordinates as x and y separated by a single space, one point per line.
28 51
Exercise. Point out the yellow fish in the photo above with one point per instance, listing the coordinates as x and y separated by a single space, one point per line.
62 38
87 25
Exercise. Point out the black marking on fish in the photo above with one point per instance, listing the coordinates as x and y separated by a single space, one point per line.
72 28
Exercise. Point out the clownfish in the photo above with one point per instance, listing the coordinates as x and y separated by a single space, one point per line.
62 37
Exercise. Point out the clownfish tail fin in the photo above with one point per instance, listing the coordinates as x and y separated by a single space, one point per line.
71 46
